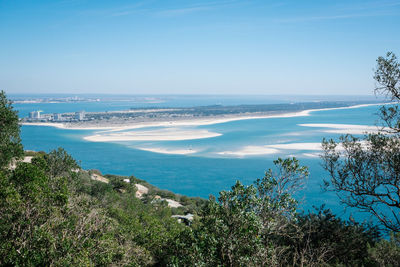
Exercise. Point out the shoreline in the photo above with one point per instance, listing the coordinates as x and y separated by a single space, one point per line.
192 122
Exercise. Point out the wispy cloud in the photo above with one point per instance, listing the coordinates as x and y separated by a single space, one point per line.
328 17
123 13
118 10
196 8
181 11
71 2
167 11
347 10
371 5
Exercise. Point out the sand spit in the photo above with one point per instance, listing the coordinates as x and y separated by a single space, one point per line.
167 134
170 123
48 124
184 122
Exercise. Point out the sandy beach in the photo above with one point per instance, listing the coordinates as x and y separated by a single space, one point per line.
171 130
169 123
108 126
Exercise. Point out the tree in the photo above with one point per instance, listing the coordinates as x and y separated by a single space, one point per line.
231 231
365 172
327 238
387 252
245 225
387 75
277 205
10 141
59 162
48 220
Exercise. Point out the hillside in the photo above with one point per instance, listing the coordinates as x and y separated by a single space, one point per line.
54 213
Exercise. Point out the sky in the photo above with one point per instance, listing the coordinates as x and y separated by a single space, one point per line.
255 47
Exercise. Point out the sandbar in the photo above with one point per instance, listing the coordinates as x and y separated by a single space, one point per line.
343 128
297 146
169 151
166 134
249 151
271 149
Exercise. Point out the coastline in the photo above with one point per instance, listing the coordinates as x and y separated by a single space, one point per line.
110 127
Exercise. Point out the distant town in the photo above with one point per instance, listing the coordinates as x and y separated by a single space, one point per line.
25 100
76 99
135 115
36 116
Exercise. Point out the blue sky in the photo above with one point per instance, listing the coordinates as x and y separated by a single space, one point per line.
194 47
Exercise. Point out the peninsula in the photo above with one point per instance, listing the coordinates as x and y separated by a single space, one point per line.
167 116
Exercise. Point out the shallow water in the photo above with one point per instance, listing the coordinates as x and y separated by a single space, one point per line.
207 171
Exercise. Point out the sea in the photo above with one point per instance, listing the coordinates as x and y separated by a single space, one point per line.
212 164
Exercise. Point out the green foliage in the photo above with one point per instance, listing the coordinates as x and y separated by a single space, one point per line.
387 253
10 141
118 183
242 228
364 175
325 238
29 153
365 171
387 75
231 230
53 214
51 220
60 162
33 202
259 226
72 220
276 190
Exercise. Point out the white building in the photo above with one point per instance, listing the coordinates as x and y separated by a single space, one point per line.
34 114
80 116
58 117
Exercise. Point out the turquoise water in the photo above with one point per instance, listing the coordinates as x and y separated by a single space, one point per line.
207 171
